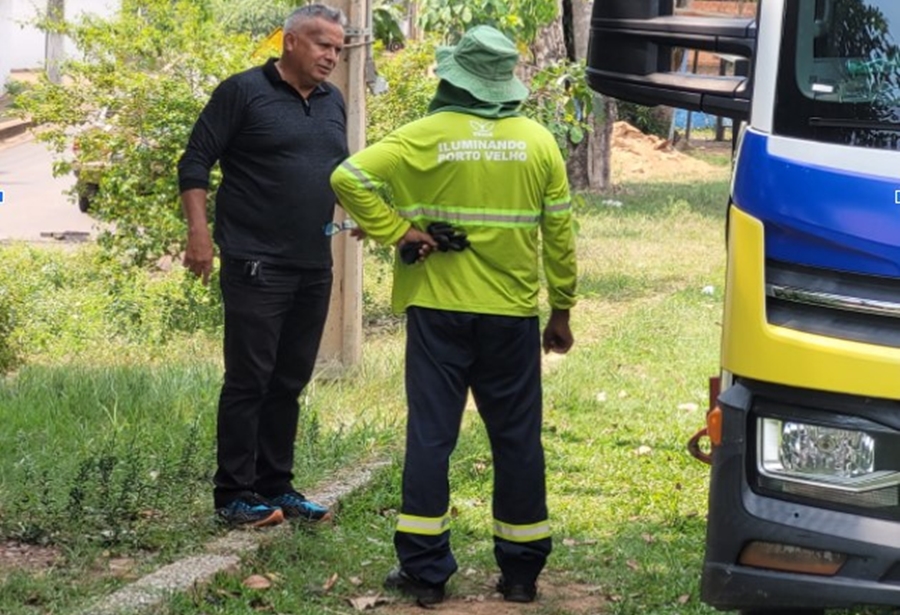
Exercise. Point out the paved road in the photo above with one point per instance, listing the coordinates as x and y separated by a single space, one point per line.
34 202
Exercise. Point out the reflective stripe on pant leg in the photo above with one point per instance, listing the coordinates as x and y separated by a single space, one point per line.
522 533
425 526
506 384
438 358
521 550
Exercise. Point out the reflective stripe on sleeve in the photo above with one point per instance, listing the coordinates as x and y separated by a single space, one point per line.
556 208
364 179
522 533
425 526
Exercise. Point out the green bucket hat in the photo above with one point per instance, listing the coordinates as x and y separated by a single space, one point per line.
483 63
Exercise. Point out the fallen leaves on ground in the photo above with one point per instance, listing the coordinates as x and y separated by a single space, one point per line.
363 603
257 581
330 582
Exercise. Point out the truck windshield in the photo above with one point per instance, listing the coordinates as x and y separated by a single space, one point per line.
839 75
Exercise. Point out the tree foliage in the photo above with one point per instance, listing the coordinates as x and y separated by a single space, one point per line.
141 78
387 16
411 86
250 16
561 100
521 20
131 98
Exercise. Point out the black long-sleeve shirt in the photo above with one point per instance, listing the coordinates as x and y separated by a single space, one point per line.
276 151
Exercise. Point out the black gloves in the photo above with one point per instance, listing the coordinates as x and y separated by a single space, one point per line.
447 238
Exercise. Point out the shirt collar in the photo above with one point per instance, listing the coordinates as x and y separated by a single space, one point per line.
274 78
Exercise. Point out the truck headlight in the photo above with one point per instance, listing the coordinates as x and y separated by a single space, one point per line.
815 450
823 462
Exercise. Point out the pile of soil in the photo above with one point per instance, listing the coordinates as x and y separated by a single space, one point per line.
709 63
735 8
637 156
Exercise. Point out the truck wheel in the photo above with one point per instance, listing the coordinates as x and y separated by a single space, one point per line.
86 194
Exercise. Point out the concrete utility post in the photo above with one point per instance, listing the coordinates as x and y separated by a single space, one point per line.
342 342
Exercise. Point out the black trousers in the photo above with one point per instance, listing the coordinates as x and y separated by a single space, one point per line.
274 319
499 358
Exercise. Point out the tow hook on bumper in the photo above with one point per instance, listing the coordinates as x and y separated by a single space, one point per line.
713 429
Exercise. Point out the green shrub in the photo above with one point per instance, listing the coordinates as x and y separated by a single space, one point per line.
411 86
10 356
649 120
84 302
561 101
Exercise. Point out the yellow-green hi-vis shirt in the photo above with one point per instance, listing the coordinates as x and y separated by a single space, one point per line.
503 182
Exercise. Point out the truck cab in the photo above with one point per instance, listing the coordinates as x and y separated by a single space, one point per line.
804 491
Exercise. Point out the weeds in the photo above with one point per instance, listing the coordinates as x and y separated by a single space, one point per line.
10 353
116 460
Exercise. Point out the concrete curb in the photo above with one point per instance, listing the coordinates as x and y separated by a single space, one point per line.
147 593
14 128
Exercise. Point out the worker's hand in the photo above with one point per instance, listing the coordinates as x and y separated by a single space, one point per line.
198 256
415 245
357 233
557 334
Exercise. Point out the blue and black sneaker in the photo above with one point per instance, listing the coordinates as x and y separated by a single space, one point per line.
250 510
296 506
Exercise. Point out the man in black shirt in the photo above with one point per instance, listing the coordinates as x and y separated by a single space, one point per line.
277 131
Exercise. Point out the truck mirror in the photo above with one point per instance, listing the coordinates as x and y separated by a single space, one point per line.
632 46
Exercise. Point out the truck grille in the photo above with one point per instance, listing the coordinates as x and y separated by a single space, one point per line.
847 306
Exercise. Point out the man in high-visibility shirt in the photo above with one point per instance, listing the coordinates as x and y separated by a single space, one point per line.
475 166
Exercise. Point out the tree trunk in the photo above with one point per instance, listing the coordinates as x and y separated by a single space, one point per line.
548 47
589 161
53 52
567 37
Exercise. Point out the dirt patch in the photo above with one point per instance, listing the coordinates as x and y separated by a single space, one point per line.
637 156
17 556
555 596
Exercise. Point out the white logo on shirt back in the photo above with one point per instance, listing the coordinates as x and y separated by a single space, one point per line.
480 128
482 146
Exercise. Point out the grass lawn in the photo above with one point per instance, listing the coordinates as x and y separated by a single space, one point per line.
627 502
108 466
107 446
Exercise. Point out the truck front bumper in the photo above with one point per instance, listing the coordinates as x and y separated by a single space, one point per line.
740 514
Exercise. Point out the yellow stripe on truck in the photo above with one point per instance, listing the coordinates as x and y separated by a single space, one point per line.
753 348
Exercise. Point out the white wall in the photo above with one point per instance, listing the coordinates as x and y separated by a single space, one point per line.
22 46
5 35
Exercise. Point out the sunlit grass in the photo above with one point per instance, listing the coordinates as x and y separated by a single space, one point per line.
627 502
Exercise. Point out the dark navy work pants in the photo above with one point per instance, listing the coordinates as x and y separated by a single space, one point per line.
498 357
274 319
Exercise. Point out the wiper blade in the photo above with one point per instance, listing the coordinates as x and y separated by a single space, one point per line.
827 122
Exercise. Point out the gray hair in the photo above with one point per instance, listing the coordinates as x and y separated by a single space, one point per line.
314 11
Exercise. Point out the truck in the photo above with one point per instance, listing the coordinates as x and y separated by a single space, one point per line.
804 423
